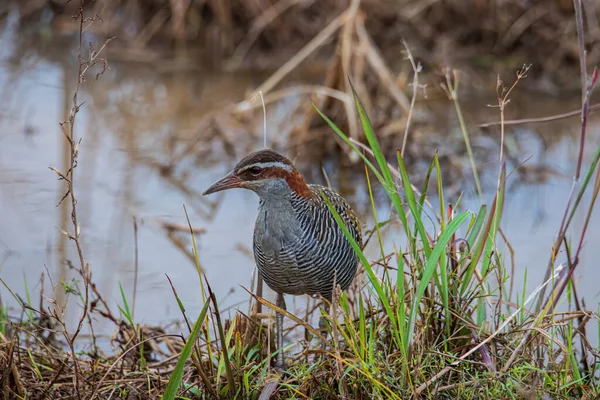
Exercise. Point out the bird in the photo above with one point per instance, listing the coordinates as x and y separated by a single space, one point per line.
298 246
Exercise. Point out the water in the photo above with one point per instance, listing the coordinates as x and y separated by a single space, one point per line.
135 121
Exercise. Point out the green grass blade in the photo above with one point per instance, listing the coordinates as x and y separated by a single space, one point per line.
28 311
209 349
465 132
440 188
369 270
35 366
412 205
477 250
486 238
389 184
177 375
125 309
584 186
224 342
401 308
345 138
377 227
476 227
491 240
362 326
443 287
432 261
425 187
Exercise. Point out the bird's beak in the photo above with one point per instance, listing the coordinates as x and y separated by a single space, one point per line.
229 181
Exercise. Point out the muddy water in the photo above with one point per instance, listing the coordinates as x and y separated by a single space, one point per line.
135 122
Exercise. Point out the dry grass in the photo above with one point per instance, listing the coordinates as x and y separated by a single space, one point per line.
473 32
447 325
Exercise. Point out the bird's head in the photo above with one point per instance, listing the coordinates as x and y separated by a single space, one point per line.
265 172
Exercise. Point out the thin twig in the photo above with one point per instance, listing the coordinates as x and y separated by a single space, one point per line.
549 118
415 84
135 266
451 88
503 96
586 92
69 177
347 49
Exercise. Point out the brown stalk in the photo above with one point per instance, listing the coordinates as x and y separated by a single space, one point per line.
512 262
586 92
484 351
503 97
307 50
416 67
150 29
581 318
224 347
172 226
69 178
575 262
296 90
197 360
379 65
549 118
258 25
346 36
135 277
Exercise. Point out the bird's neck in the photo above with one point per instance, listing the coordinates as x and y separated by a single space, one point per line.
282 187
297 184
280 193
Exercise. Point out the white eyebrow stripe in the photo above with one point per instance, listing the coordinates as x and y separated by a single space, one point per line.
264 165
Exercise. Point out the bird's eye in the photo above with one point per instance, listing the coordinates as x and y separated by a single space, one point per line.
255 170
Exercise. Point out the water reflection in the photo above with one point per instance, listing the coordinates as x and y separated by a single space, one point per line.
155 138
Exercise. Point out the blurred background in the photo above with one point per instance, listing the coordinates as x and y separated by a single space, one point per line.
177 106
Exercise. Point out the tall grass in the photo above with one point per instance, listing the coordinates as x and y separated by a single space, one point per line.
432 318
434 327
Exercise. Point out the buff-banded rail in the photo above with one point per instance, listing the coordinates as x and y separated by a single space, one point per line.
298 246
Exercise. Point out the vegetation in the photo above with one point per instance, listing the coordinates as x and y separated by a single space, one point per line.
434 317
469 33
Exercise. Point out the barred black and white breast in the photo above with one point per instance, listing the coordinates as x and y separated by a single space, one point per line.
299 247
